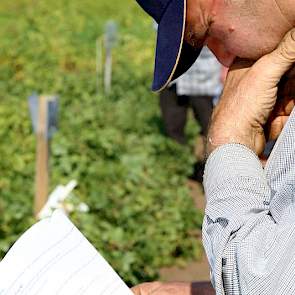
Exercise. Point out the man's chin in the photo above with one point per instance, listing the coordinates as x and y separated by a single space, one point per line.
228 61
225 58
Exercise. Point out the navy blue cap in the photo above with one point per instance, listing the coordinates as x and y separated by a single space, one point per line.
174 56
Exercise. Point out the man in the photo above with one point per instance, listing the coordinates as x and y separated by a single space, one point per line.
248 230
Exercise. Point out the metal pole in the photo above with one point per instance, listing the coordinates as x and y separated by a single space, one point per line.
99 63
108 71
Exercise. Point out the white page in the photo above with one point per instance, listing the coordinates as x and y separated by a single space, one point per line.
53 257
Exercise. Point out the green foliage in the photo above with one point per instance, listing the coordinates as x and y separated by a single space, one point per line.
133 178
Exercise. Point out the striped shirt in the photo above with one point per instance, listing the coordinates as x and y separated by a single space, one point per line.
249 225
203 78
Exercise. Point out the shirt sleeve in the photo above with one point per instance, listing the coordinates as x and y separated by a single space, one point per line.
236 189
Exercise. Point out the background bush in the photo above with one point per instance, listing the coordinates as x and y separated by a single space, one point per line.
133 179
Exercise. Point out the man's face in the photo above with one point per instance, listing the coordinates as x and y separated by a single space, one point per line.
247 29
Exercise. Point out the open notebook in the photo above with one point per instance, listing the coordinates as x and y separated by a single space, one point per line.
53 257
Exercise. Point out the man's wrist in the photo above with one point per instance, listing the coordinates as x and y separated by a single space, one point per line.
213 143
220 135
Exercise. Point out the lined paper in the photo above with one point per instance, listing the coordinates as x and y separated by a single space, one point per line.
53 257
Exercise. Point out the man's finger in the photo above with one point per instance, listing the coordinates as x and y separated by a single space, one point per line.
276 127
281 59
283 107
146 288
135 290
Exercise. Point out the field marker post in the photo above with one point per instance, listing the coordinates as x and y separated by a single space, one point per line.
43 111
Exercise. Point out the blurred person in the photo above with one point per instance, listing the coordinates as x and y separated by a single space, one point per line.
248 229
196 89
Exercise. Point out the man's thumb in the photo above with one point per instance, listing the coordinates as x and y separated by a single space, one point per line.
281 59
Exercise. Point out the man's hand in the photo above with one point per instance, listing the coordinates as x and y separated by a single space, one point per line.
249 98
157 288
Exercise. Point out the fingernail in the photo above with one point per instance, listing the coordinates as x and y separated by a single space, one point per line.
293 34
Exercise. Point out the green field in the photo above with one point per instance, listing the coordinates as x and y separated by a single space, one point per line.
132 177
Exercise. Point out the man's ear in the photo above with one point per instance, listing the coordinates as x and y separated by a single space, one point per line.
224 57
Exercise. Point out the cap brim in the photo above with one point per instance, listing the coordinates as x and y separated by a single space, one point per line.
173 55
